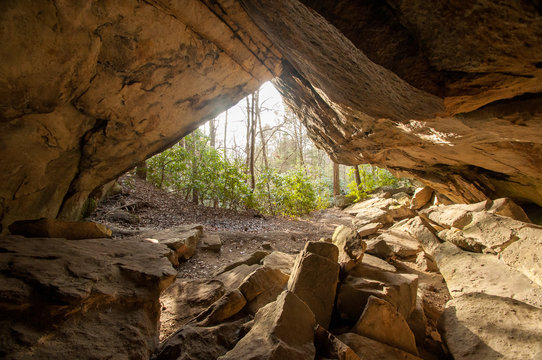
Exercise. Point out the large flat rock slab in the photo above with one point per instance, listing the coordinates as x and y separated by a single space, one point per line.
84 299
479 326
467 272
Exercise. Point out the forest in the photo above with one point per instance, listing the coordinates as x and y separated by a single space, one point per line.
275 169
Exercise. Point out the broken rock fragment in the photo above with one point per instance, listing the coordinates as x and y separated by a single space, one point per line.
350 244
369 349
314 280
381 321
283 329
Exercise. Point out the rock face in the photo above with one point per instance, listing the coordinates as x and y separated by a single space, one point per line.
83 299
88 91
455 154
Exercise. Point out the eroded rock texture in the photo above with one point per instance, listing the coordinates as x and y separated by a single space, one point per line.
447 93
84 299
89 89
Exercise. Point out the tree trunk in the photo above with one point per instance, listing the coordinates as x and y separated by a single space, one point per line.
356 176
247 146
212 132
225 138
254 108
264 144
141 170
336 180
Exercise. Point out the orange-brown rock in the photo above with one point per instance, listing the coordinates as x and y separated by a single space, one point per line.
448 94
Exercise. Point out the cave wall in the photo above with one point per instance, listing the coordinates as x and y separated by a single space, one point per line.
89 89
449 93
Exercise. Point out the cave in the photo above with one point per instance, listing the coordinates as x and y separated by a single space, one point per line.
445 92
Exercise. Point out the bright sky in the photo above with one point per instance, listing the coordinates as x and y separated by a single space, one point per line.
272 111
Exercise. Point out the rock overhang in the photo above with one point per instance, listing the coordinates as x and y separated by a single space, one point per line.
447 94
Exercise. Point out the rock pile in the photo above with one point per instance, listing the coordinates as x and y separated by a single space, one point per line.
366 293
353 297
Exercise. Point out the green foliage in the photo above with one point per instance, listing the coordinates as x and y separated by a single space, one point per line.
292 193
198 168
372 178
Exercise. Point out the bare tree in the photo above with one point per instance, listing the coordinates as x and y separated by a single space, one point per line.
212 132
225 136
336 180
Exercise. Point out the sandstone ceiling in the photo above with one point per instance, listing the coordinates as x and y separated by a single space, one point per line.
447 92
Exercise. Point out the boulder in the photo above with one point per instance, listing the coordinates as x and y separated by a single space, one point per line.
364 281
54 228
369 349
379 248
329 346
493 232
324 249
402 198
350 244
279 260
259 284
467 272
283 329
233 278
224 308
262 286
369 229
421 197
197 342
185 299
314 280
105 291
458 238
420 230
210 242
182 240
506 207
252 259
480 326
342 201
380 321
401 244
448 216
525 254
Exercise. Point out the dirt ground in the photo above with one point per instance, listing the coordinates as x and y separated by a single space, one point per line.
242 232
